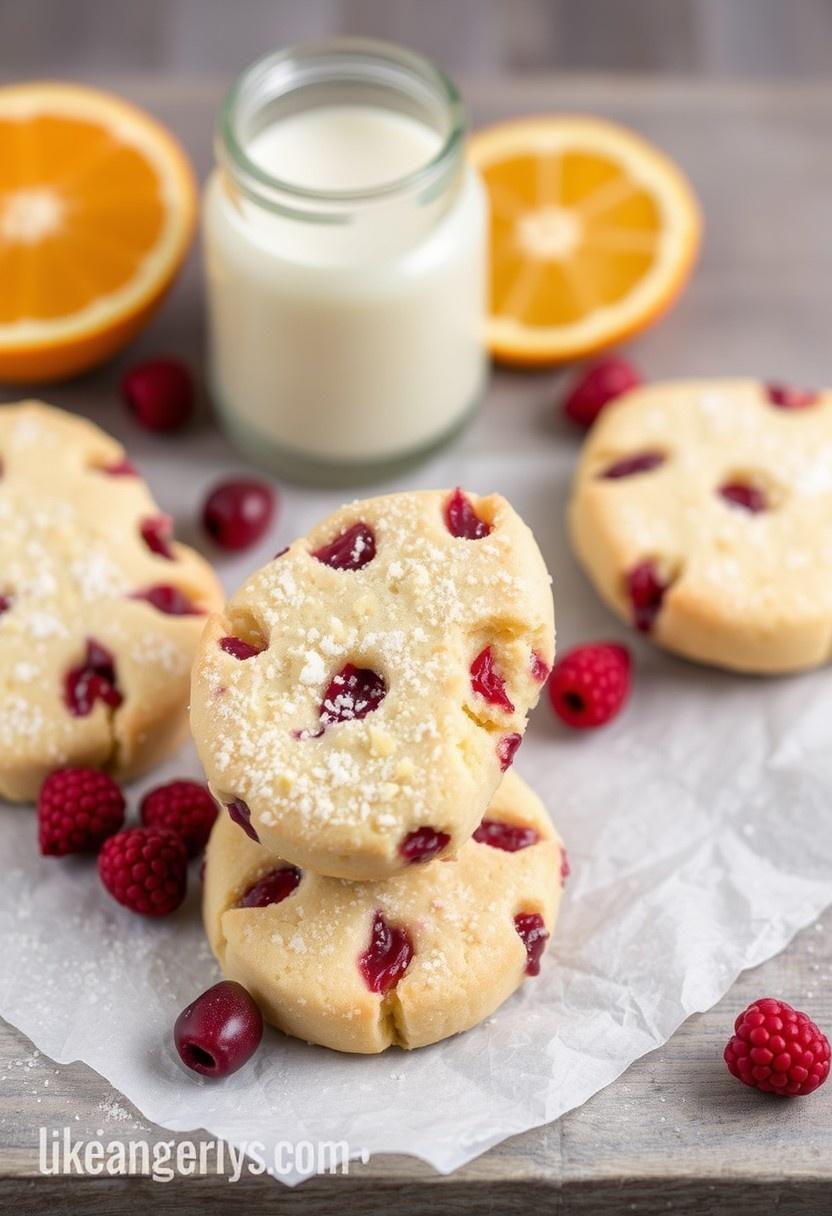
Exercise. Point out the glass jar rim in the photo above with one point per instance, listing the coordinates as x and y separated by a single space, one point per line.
254 180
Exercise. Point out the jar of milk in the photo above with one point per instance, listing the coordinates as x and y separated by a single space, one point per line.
345 246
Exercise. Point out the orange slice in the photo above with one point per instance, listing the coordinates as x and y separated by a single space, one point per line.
97 209
593 234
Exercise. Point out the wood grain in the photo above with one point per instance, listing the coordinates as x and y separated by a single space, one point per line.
675 1133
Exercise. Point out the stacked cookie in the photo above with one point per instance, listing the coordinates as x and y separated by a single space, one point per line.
380 878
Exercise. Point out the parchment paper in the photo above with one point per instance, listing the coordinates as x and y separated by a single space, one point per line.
698 829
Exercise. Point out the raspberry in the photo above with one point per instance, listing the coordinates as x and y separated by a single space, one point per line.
596 387
184 807
78 808
160 394
778 1050
589 685
146 869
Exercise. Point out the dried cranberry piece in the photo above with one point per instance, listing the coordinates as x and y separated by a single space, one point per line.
642 462
534 935
422 844
462 520
507 750
646 591
121 468
351 550
93 680
740 494
241 814
565 868
387 957
240 649
353 693
510 837
488 682
539 668
272 888
786 397
156 531
169 600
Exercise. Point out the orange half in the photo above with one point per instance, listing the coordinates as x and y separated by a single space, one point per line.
593 234
97 210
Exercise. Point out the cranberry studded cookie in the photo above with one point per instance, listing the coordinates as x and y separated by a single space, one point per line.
100 610
358 702
409 960
702 511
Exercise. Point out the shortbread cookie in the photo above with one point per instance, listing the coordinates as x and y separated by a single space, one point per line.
409 960
100 610
358 702
702 511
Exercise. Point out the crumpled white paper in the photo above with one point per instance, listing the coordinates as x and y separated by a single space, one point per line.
697 825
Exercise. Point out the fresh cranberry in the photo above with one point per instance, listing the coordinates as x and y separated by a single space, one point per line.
596 387
94 680
121 468
750 498
510 837
272 888
156 531
539 668
534 935
240 649
785 397
507 750
240 812
351 550
646 591
353 693
169 600
160 394
386 958
565 868
488 682
643 462
236 514
219 1031
422 844
461 518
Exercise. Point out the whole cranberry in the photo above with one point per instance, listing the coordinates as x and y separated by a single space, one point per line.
160 394
596 387
238 513
218 1032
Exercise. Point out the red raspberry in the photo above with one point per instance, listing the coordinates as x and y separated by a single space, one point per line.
590 684
160 394
78 808
778 1050
146 869
596 387
184 807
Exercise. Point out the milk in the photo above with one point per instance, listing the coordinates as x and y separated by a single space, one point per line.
355 342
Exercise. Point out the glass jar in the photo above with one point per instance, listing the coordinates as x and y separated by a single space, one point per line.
345 252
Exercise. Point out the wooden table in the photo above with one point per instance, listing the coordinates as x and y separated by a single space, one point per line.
674 1134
